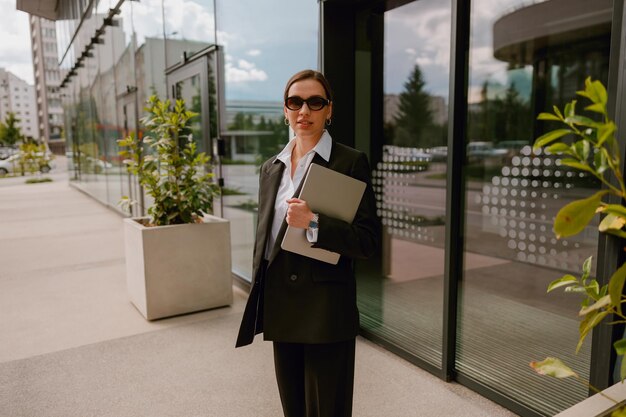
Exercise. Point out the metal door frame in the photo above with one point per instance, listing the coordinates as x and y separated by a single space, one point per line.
198 64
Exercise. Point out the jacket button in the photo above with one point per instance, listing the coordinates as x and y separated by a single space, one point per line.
293 277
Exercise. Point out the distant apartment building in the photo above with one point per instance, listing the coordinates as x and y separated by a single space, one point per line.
48 78
18 97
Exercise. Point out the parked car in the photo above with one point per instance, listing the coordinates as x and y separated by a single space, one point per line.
6 151
87 163
481 150
512 147
439 153
12 164
406 159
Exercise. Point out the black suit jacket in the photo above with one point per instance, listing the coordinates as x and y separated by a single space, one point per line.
297 299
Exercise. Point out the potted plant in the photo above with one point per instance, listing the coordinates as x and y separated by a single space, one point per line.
178 259
595 151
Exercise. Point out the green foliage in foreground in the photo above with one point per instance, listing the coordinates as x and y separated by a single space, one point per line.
593 150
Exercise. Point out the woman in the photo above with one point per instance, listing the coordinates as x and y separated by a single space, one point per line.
308 307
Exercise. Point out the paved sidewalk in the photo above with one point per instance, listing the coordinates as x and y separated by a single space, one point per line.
71 344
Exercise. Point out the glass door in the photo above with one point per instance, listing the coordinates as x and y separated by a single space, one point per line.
404 305
524 59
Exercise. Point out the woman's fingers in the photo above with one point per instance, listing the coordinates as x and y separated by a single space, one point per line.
298 213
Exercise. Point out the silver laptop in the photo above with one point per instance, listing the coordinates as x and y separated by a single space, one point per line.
331 193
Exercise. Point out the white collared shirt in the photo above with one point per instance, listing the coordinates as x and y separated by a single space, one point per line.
288 185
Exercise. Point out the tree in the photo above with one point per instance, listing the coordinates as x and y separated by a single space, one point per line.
414 113
10 132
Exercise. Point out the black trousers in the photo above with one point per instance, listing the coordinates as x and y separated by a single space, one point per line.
315 380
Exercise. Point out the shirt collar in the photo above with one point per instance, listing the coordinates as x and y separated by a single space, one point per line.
323 148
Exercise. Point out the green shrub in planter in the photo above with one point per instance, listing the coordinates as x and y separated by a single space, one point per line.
173 173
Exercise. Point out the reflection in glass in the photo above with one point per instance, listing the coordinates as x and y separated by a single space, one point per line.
256 70
524 58
189 91
405 305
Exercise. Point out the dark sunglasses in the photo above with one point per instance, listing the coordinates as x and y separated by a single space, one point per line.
313 103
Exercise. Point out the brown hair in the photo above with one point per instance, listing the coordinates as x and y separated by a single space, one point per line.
307 75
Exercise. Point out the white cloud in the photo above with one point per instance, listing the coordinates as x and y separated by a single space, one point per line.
243 64
185 19
15 48
224 38
244 72
254 52
483 66
410 51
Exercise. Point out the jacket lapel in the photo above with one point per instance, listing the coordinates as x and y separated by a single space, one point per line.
270 181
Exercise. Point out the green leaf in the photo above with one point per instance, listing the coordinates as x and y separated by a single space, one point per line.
611 221
582 149
602 302
587 267
551 137
591 320
620 347
598 108
558 112
617 209
581 121
558 147
548 116
604 290
616 287
594 91
605 131
618 233
597 90
553 367
570 109
573 217
575 164
600 162
561 282
593 290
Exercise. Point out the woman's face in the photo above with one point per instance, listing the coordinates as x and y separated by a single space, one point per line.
307 123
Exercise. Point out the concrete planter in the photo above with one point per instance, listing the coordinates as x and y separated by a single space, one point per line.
597 405
178 269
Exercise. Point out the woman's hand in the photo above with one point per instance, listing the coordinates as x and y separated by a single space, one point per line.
298 214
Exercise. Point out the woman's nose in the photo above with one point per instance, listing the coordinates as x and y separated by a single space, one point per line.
305 108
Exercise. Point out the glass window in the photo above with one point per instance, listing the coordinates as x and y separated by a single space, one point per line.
524 58
259 59
405 304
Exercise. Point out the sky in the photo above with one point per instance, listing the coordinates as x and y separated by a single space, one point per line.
255 62
419 33
261 54
15 49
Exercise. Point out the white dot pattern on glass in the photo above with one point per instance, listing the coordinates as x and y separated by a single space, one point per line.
390 180
537 186
518 205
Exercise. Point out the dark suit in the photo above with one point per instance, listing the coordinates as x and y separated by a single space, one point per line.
308 307
305 300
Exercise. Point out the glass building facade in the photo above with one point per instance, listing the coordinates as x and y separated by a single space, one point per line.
442 96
